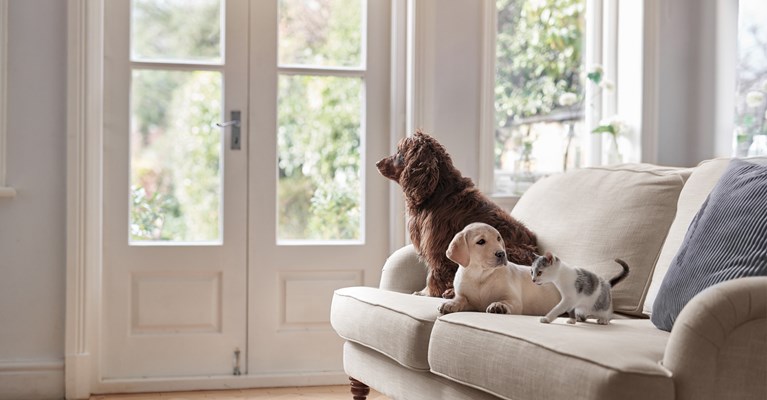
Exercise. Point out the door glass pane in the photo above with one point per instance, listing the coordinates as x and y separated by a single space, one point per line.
319 187
321 32
176 30
175 156
539 91
751 95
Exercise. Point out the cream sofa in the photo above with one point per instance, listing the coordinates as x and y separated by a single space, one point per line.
401 346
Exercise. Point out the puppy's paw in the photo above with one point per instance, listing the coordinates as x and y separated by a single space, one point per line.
498 308
545 320
448 294
420 293
447 307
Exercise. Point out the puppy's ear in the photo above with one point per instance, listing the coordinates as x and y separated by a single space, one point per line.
458 251
421 174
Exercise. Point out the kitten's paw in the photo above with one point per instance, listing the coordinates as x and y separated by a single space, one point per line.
448 294
545 320
571 321
498 308
581 318
603 321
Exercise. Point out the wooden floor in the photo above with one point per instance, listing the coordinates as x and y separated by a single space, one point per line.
291 393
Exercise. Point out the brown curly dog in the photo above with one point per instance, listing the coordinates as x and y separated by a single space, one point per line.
440 203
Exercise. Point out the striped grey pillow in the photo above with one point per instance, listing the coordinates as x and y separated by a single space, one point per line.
727 239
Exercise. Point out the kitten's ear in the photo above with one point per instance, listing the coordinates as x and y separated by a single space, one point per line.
550 257
458 251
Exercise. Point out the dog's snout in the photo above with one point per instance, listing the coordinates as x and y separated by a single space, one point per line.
380 162
500 254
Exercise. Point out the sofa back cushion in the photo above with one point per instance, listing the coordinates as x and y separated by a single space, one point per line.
591 216
703 178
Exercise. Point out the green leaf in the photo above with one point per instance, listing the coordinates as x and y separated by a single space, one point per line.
604 129
595 77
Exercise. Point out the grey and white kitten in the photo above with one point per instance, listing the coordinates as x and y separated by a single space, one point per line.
584 294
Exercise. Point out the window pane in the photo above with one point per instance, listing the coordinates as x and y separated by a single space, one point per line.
751 102
321 32
176 30
539 53
320 190
175 156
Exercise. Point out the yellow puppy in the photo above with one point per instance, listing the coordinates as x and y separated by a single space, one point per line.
486 281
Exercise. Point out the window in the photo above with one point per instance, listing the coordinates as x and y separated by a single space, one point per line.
555 69
320 138
751 85
176 92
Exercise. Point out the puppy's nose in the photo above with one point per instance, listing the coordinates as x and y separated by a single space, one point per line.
500 254
378 164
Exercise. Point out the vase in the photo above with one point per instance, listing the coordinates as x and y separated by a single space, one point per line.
524 171
758 146
572 156
614 155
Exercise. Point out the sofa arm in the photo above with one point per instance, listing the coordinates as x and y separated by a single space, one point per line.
718 345
404 271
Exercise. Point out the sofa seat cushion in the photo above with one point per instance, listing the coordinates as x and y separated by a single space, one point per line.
517 357
397 325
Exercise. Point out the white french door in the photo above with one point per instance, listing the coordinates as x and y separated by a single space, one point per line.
174 189
221 251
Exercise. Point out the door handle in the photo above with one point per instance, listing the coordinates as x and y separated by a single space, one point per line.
235 124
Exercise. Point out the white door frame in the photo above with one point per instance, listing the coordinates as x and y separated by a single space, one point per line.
85 208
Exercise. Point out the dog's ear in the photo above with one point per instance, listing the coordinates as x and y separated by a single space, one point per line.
458 251
421 174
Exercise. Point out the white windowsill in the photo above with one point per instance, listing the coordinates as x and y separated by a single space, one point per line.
507 202
7 192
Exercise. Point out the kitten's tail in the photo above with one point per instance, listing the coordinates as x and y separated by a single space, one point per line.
622 275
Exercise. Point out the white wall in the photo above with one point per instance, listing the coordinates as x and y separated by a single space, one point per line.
694 116
32 225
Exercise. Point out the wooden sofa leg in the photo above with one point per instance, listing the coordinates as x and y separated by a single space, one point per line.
360 390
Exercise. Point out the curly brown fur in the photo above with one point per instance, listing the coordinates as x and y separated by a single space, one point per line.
440 203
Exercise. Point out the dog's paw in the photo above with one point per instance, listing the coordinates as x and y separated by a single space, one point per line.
545 320
419 293
448 294
498 308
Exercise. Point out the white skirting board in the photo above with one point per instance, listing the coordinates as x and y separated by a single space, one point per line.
31 380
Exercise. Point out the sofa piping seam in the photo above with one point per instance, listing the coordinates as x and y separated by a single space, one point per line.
387 308
386 354
552 350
